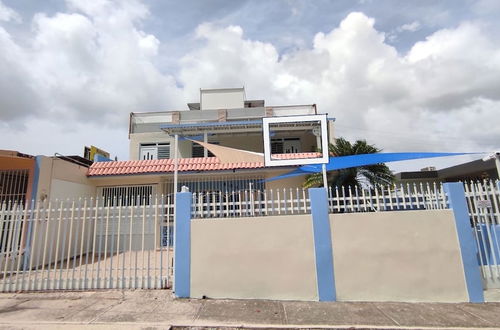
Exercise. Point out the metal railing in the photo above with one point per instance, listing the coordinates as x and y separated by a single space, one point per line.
290 201
387 198
250 203
86 244
483 199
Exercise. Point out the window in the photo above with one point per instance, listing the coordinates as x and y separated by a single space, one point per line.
150 151
198 151
285 146
127 195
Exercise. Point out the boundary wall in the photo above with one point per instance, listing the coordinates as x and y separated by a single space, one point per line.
412 256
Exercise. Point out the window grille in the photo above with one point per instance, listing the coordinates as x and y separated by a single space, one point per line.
127 195
285 145
13 186
221 184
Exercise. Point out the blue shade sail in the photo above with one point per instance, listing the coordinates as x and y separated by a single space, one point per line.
342 162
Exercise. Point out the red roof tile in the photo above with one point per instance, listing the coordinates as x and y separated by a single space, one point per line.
185 165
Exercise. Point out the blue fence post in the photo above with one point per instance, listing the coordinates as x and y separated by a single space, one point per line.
182 245
33 197
456 199
322 244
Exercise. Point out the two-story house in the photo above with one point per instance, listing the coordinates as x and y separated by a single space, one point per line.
223 117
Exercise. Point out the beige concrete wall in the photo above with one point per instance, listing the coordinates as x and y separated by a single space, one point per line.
60 179
264 258
397 256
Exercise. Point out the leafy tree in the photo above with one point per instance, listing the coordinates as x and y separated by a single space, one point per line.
361 176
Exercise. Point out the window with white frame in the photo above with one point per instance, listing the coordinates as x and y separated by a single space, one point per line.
150 151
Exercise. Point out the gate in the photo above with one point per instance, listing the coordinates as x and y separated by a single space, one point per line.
483 202
89 243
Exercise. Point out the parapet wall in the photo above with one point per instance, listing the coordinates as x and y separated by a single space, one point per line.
262 258
403 256
397 256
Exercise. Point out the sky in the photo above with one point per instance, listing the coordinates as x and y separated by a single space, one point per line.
404 75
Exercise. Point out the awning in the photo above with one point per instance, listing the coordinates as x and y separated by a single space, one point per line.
231 155
343 162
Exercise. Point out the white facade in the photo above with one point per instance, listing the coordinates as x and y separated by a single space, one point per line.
214 99
224 117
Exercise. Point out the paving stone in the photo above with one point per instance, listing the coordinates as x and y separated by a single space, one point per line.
114 317
430 314
242 312
55 303
335 313
489 312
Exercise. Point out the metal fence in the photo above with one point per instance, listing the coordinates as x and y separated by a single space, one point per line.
250 203
290 201
86 244
387 198
483 199
127 241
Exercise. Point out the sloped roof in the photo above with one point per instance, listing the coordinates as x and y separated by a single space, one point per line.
185 165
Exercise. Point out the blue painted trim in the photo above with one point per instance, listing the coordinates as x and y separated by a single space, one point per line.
212 124
322 245
101 158
182 245
456 199
34 190
36 177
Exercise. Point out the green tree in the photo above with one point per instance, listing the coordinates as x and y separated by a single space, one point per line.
370 175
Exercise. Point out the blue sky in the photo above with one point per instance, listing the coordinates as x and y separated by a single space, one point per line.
405 75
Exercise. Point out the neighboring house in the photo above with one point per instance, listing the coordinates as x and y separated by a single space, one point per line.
474 170
17 172
24 177
223 117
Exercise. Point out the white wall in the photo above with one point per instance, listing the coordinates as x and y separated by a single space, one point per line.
60 179
222 99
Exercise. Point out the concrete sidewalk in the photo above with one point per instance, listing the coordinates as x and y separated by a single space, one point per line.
157 309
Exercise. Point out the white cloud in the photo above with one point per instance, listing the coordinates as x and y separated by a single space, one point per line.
442 95
87 68
412 27
8 14
93 64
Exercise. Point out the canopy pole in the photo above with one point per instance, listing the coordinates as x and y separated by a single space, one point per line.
205 139
176 162
325 182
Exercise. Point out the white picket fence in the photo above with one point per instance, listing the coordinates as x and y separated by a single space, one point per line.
483 199
289 201
86 244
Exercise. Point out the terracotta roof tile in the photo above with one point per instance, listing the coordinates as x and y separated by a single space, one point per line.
185 165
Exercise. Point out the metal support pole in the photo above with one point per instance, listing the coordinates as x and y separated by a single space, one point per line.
325 182
497 163
205 139
176 161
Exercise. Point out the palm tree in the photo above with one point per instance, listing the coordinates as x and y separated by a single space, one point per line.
362 176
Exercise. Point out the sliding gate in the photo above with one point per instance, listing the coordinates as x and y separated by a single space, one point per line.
87 244
484 201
